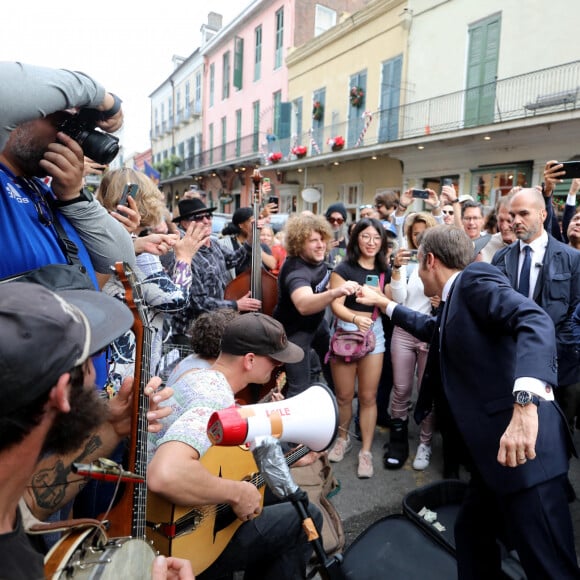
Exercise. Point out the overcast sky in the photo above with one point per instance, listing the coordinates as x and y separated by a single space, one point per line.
126 46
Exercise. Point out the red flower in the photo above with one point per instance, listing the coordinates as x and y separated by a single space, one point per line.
336 142
275 156
299 150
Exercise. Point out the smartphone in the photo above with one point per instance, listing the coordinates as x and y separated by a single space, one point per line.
129 190
447 181
372 280
420 193
413 257
273 199
572 169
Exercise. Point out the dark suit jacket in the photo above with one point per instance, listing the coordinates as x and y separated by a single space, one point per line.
557 291
490 336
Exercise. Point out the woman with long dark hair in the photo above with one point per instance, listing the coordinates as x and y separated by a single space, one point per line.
365 256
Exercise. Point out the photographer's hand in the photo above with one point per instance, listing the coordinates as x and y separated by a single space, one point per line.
64 162
113 123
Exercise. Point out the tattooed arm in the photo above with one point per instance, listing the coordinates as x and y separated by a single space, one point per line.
54 484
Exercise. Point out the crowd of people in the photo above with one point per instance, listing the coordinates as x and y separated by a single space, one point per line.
500 287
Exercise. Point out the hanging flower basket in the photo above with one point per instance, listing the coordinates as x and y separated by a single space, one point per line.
336 143
300 151
275 156
356 96
317 110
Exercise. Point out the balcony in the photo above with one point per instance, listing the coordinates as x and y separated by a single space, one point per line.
524 97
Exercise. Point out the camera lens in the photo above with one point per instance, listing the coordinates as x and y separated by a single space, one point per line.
99 146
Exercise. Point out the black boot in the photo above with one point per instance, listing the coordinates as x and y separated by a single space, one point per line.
397 450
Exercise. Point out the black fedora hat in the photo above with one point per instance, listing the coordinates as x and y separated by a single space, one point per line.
190 207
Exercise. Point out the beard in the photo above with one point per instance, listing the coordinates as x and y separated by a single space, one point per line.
87 411
24 148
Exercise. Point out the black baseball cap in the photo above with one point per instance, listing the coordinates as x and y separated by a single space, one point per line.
261 334
44 334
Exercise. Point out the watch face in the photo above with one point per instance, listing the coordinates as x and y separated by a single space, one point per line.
523 397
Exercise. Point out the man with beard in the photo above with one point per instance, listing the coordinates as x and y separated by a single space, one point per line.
303 296
50 405
35 102
547 271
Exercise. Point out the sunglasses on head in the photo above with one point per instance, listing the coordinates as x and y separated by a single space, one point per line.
366 207
337 220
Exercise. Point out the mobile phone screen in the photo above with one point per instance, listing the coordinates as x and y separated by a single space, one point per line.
129 190
372 280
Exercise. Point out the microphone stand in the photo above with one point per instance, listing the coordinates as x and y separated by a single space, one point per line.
272 464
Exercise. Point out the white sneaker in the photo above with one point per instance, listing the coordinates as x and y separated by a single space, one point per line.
340 448
422 457
365 465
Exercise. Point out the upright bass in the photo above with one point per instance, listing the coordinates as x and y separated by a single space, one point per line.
262 284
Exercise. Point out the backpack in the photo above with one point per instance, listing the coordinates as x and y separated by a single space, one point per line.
318 481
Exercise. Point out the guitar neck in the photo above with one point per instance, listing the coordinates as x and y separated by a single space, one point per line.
128 516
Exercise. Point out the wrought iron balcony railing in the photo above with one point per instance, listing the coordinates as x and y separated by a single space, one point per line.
541 92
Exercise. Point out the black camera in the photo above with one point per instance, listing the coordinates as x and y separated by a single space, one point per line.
97 145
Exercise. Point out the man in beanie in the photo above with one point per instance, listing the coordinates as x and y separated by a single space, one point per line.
209 271
237 233
50 406
336 216
270 544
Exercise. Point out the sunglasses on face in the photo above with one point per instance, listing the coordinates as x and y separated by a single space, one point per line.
448 211
199 217
338 220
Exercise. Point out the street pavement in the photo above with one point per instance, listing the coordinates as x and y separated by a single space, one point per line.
361 502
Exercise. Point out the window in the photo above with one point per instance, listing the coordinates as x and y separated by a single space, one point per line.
211 143
258 53
226 75
297 126
224 136
187 99
197 103
324 19
276 101
256 122
351 195
238 132
211 83
238 63
178 109
279 44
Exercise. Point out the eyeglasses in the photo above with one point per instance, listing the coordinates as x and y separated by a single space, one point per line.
447 211
368 238
338 220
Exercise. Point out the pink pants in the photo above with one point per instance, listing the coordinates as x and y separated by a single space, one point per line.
407 354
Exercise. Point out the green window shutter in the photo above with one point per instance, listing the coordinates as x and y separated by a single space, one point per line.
238 62
285 119
481 74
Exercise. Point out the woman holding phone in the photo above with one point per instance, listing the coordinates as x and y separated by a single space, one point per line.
365 263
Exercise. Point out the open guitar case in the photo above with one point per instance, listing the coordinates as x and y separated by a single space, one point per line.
419 543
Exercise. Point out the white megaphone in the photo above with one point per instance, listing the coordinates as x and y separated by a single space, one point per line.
310 418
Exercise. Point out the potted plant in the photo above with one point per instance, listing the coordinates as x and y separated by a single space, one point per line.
275 156
300 151
336 143
317 110
356 96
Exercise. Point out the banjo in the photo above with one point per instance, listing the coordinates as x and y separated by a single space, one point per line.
86 551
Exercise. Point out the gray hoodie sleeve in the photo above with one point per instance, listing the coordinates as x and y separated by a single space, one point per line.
106 240
30 92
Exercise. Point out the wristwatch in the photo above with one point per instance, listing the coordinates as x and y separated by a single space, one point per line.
524 398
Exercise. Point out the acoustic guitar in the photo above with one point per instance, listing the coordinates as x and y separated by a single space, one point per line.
201 533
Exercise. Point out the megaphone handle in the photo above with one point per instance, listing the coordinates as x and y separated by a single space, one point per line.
328 568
